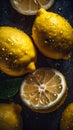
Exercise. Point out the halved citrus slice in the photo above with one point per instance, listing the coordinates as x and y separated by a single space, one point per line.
30 7
44 90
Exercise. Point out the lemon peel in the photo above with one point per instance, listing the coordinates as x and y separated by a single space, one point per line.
52 34
17 52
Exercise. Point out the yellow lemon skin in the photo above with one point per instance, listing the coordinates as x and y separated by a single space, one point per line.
67 118
10 118
17 52
52 34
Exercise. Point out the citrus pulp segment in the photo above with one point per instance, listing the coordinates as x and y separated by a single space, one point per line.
44 90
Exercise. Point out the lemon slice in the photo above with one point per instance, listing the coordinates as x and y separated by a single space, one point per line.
30 7
44 90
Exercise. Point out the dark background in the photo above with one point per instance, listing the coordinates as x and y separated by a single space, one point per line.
33 120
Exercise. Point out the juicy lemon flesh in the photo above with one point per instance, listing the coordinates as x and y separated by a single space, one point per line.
44 91
67 118
10 118
30 7
52 35
17 52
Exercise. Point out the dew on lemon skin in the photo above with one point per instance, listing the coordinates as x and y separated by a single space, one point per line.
3 49
25 52
12 44
61 32
10 53
6 59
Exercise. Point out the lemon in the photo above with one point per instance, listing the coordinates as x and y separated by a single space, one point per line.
10 118
44 90
67 118
17 52
52 34
30 7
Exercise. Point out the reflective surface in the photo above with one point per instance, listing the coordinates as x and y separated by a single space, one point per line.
32 120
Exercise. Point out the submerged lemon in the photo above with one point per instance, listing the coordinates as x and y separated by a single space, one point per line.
67 118
17 52
52 34
10 118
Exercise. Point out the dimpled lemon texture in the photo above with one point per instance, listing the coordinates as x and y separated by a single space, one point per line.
10 117
17 52
52 34
67 118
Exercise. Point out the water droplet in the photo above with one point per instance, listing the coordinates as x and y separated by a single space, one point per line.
57 65
45 41
6 58
34 28
31 79
62 119
25 52
59 10
52 40
61 32
36 99
12 44
9 40
3 49
60 86
55 94
10 53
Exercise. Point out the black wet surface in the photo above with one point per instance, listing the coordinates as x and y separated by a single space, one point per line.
33 120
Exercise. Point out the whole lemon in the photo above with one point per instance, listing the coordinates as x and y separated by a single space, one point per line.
10 118
52 34
67 118
17 52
